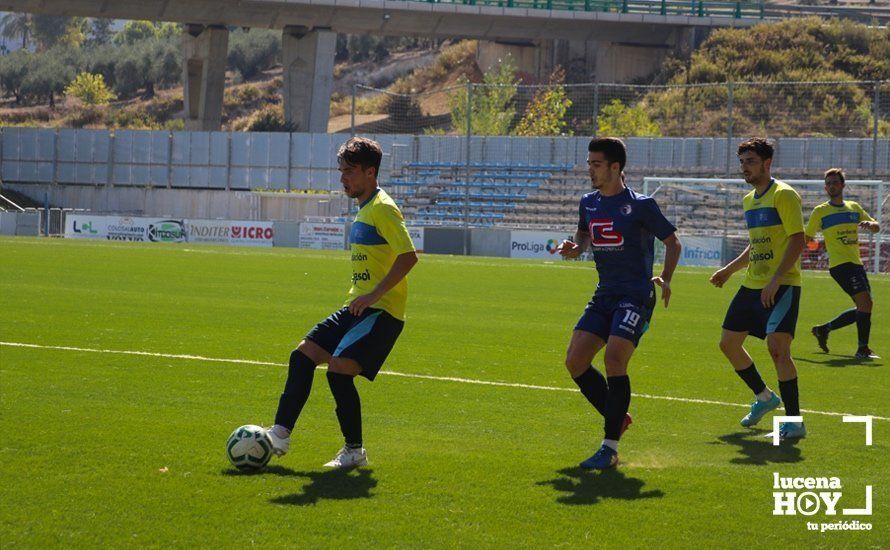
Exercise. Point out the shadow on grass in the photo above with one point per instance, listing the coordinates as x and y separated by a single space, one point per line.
588 487
343 484
836 360
756 449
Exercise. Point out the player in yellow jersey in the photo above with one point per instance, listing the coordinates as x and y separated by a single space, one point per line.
356 339
767 303
839 221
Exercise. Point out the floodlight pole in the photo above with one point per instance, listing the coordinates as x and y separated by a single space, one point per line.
874 137
729 88
877 260
596 111
467 176
352 117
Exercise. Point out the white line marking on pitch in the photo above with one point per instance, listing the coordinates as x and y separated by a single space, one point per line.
402 374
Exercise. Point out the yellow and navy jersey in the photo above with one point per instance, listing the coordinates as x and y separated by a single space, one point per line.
840 228
771 219
378 235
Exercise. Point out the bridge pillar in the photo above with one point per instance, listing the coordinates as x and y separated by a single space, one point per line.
636 56
205 50
308 76
533 59
621 62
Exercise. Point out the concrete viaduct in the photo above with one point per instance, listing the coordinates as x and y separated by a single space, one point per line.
618 46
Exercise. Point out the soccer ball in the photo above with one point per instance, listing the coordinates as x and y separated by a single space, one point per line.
249 448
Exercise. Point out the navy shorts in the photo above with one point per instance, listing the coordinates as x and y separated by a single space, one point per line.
851 277
366 339
747 314
619 315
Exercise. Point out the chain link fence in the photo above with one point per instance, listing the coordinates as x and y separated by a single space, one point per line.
730 110
512 155
376 111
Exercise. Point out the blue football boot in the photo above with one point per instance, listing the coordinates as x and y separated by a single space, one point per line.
760 408
792 430
603 459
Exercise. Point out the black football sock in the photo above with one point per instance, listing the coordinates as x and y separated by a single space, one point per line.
594 387
349 407
846 318
752 378
617 403
790 396
296 389
863 325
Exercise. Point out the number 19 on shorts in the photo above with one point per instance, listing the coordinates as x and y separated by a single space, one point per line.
631 318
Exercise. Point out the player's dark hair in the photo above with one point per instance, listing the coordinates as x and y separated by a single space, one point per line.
835 172
363 152
760 146
611 148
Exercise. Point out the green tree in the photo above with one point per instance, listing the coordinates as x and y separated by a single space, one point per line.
76 32
90 88
52 30
135 31
268 119
102 59
254 51
491 110
545 115
14 25
166 31
13 69
166 65
47 77
132 71
617 119
404 113
100 31
359 47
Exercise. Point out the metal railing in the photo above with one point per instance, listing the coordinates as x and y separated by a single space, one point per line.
4 201
691 8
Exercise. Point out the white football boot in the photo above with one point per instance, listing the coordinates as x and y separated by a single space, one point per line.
280 445
349 458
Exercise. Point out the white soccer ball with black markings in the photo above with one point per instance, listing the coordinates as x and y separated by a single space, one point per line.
249 448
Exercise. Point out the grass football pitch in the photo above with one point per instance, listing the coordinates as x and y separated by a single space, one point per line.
474 431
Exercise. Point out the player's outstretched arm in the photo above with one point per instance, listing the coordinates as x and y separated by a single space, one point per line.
672 249
723 274
573 249
400 268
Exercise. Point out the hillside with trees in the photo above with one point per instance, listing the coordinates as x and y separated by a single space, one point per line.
849 55
83 75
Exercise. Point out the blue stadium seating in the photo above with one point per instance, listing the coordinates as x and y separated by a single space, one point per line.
435 192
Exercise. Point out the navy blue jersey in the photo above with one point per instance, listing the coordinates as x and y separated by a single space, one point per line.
622 231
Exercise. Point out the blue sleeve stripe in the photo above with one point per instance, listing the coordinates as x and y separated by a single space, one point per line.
838 218
362 233
762 217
